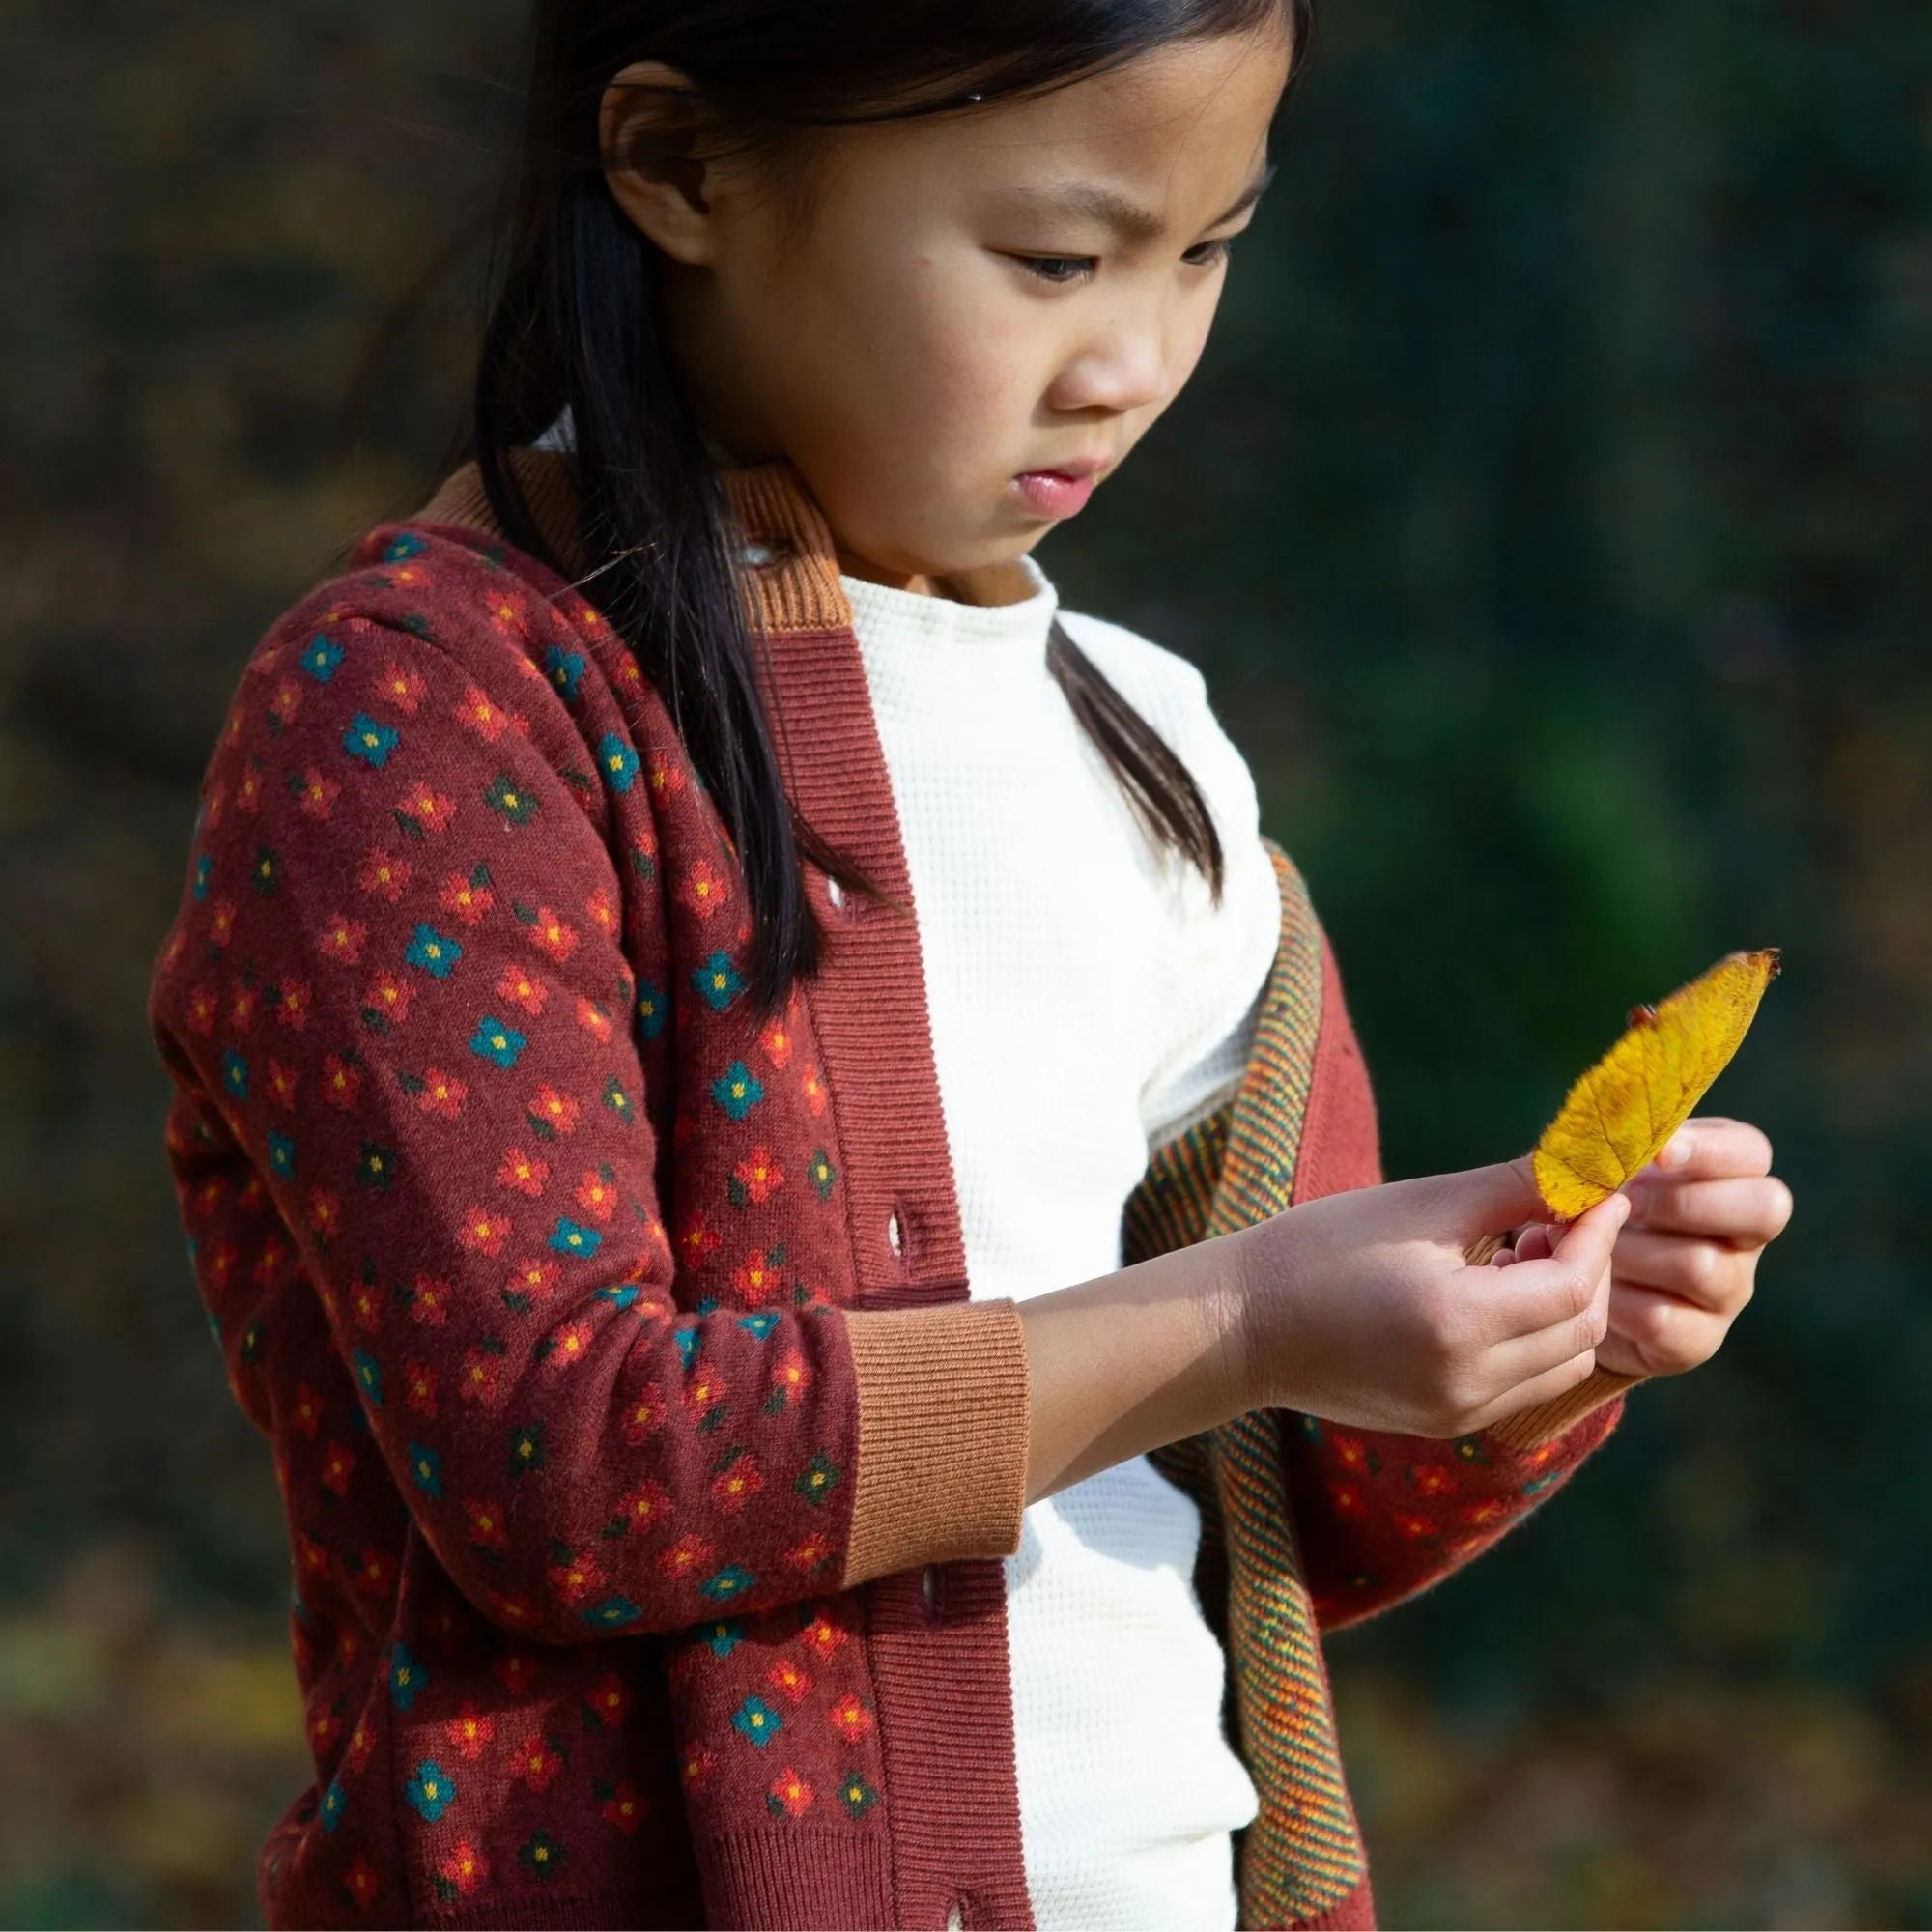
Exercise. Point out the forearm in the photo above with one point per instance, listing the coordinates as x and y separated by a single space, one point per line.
1131 1361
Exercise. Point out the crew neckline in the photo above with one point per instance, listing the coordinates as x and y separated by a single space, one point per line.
883 617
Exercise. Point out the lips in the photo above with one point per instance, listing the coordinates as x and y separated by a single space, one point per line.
1061 491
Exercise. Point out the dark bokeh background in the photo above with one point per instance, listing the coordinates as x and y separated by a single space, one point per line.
1551 517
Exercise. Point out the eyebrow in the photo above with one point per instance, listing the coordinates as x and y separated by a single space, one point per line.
1129 219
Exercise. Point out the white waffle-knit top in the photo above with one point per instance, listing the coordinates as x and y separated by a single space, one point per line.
1088 1000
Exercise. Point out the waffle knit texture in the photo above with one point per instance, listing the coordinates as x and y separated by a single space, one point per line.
649 1469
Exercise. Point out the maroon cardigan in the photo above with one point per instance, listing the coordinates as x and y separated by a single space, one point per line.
646 1468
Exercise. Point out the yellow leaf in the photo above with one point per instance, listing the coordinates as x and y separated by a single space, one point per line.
1619 1116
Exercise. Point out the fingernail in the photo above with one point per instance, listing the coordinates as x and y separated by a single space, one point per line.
1677 1151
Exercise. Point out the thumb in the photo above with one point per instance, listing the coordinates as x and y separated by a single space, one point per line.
1492 1200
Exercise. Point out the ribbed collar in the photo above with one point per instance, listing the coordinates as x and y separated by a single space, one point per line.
905 629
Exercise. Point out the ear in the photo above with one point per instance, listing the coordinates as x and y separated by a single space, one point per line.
648 127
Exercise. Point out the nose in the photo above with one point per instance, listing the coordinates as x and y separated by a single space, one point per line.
1128 360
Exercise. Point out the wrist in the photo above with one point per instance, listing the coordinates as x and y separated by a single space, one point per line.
1236 1292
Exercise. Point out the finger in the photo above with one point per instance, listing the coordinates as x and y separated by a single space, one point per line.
1482 1201
1665 1334
1523 1357
1548 1386
1747 1211
1537 1242
1706 1273
1711 1148
1533 1297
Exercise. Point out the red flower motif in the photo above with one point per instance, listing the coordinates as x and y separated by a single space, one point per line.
644 1418
703 889
574 1579
597 1196
401 687
850 1718
734 1487
791 1377
813 1553
776 1040
483 1232
241 1004
790 1682
666 780
221 925
383 875
813 1090
481 714
465 899
533 1278
325 1215
516 1672
1352 1454
307 1415
558 1112
361 1743
373 1574
523 1171
1433 1482
1348 1499
465 1869
754 1278
202 1010
365 1304
316 795
594 1021
648 1507
1414 1525
482 1379
469 1730
429 1301
790 1794
538 1763
522 989
624 1809
420 1389
341 1081
703 1392
292 1000
442 1094
823 1635
282 1083
698 1241
359 1882
338 1465
697 1768
249 793
486 1525
569 1345
430 809
390 998
550 936
611 1701
685 1557
602 912
325 1726
760 1174
287 702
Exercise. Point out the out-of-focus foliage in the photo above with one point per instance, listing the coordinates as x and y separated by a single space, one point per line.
1552 518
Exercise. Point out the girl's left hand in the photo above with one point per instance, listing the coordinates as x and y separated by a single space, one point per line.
1686 1261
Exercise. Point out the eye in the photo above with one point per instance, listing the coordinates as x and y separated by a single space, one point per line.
1209 254
1058 269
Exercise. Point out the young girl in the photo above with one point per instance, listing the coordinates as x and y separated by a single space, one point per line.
740 1074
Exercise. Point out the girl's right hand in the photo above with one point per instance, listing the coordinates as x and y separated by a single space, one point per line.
1361 1309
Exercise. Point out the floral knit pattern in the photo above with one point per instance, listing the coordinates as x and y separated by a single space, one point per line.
455 995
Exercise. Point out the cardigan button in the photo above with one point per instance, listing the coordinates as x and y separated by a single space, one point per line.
956 1917
895 1234
835 893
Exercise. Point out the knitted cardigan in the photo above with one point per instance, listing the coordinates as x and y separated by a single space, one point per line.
646 1468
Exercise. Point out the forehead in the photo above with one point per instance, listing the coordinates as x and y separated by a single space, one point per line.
1169 132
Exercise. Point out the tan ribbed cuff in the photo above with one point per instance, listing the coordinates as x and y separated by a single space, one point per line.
944 1418
1532 1428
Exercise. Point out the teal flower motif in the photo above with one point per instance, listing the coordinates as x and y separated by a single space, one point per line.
407 1678
612 1613
204 869
621 1296
281 1155
689 1340
235 1076
431 1792
369 742
652 1009
266 873
756 1720
724 1638
433 952
426 1471
321 659
616 1099
376 1166
730 1583
856 1795
541 1855
760 1325
619 762
718 981
571 1239
496 1042
818 1479
822 1174
403 547
737 1090
526 1449
334 1804
369 1375
564 669
517 803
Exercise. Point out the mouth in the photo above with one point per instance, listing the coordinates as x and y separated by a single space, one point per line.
1061 490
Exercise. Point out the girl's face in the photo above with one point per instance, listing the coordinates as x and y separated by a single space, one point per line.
954 327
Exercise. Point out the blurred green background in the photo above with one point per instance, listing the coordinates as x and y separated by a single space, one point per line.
1551 517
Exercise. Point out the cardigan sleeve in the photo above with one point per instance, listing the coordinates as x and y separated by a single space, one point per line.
1383 1516
398 1011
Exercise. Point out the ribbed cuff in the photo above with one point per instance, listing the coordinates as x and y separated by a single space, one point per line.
944 1418
1532 1428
